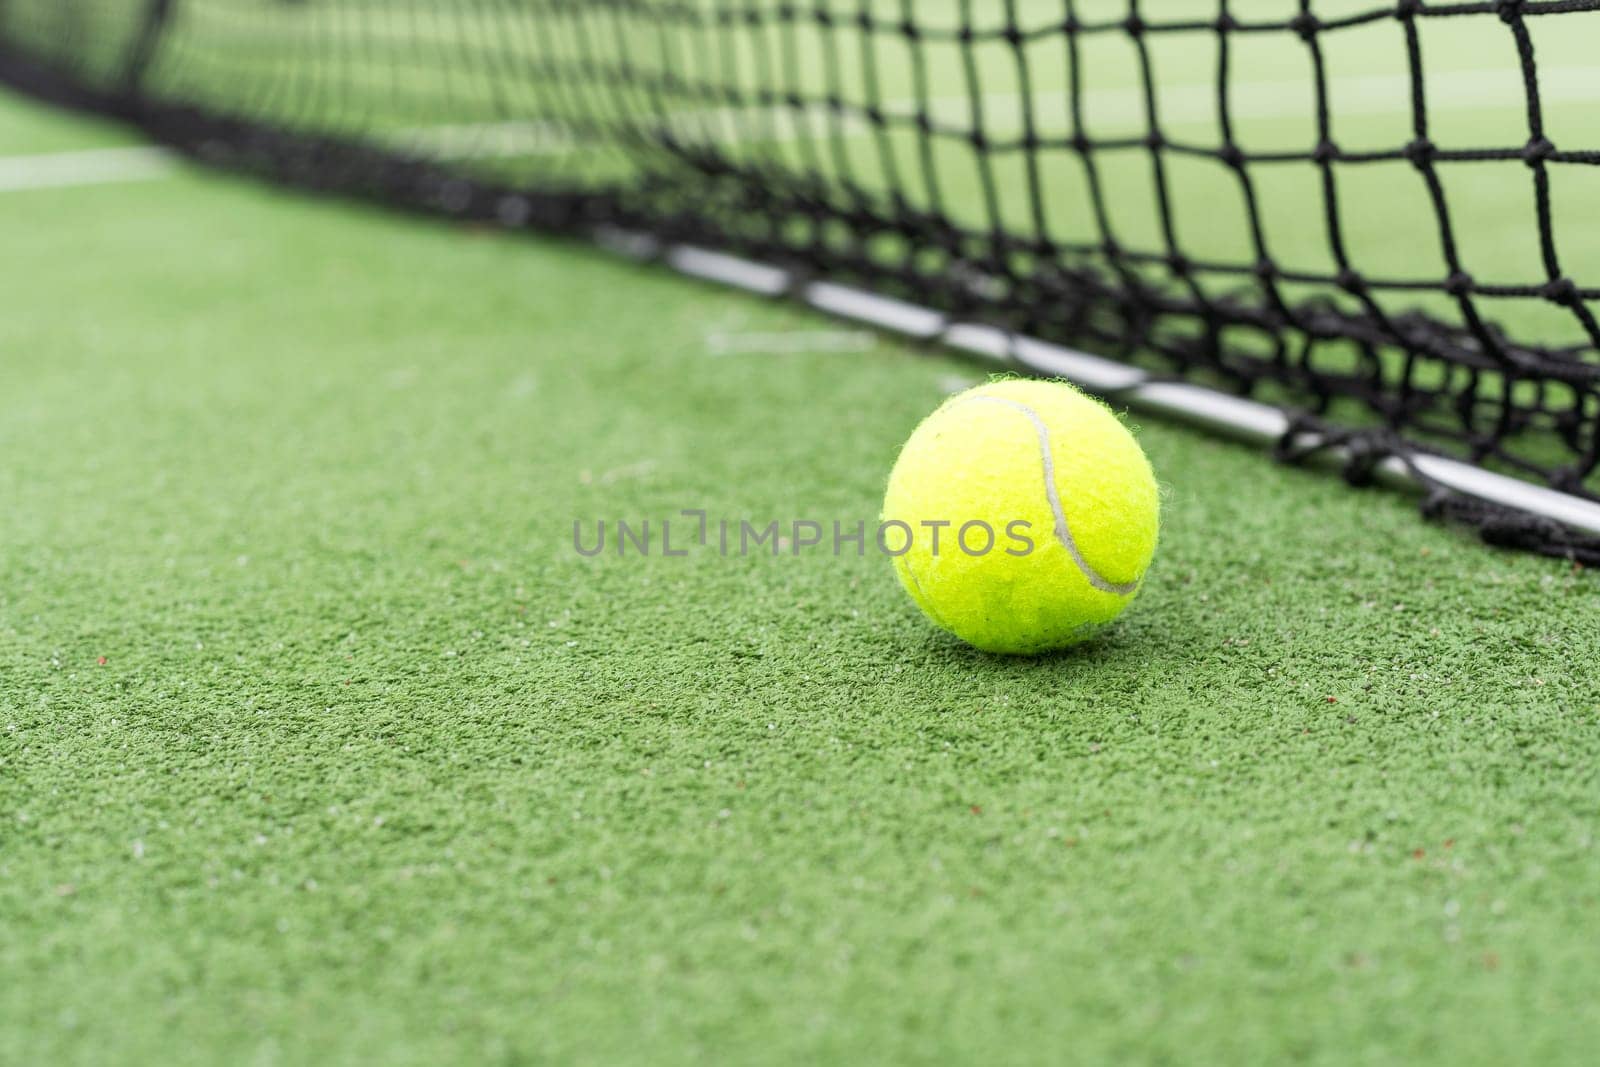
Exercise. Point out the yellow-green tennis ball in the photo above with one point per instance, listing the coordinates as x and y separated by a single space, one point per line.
1067 494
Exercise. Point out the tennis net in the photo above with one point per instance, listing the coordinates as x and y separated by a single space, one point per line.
1372 215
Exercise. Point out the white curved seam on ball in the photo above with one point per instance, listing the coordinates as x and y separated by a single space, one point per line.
1063 533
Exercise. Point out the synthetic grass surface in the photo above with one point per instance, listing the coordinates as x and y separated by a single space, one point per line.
376 768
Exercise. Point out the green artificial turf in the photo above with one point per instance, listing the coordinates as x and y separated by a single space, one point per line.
320 744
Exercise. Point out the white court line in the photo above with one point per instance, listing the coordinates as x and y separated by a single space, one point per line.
95 166
1371 94
480 140
1195 102
511 138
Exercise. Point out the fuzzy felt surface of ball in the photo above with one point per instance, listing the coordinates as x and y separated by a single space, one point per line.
1021 516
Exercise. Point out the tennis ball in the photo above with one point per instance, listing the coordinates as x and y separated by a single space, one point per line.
1063 488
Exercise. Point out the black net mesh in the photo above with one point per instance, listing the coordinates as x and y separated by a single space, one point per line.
1375 214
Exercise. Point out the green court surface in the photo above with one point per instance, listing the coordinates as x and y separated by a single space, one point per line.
320 743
